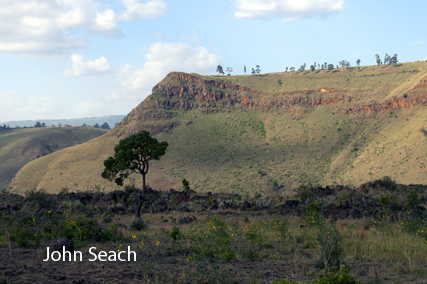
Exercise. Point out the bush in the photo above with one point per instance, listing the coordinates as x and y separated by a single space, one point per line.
130 189
176 233
330 250
214 239
138 225
312 217
107 218
38 199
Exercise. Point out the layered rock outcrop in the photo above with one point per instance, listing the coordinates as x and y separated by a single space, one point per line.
211 96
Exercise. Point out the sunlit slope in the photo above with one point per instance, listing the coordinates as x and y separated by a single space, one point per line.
19 146
248 133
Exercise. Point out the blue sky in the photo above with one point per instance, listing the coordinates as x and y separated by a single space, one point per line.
78 58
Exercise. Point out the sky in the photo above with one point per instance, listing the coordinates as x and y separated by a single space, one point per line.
63 59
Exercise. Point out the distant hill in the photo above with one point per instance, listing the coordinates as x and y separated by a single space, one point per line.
20 146
90 121
259 133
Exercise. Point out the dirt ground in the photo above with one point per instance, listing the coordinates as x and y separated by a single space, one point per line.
169 262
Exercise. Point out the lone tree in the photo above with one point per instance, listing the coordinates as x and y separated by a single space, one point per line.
132 155
377 59
358 62
219 70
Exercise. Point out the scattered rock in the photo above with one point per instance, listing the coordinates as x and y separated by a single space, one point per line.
63 242
185 220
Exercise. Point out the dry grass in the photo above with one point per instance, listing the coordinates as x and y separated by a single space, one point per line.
227 152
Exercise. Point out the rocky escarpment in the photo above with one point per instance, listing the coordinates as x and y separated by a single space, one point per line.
391 104
230 86
413 97
211 96
422 84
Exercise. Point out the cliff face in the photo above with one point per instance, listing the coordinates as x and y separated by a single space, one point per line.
391 104
211 96
206 96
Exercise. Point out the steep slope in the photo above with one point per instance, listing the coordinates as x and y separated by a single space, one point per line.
263 132
20 146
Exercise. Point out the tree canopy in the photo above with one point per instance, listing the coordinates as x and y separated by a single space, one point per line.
219 70
132 155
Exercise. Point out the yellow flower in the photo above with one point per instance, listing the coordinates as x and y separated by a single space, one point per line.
118 250
48 212
142 243
133 237
158 242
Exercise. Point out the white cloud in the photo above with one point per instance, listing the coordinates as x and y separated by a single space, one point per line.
44 27
105 24
418 42
136 10
87 68
161 59
288 10
160 36
16 106
87 108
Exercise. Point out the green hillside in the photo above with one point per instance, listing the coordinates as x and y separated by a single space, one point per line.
263 133
20 146
90 121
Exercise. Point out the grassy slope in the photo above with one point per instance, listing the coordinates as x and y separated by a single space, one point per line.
246 149
20 146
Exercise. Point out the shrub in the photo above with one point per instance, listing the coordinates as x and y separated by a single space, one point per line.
38 199
81 228
107 218
176 233
138 225
412 200
330 249
214 239
130 189
184 220
111 234
281 226
312 217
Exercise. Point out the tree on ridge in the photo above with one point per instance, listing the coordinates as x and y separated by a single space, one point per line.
219 70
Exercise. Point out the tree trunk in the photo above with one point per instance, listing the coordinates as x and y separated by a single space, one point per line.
139 205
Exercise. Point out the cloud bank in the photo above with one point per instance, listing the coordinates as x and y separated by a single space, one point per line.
161 59
16 106
288 10
81 68
44 27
